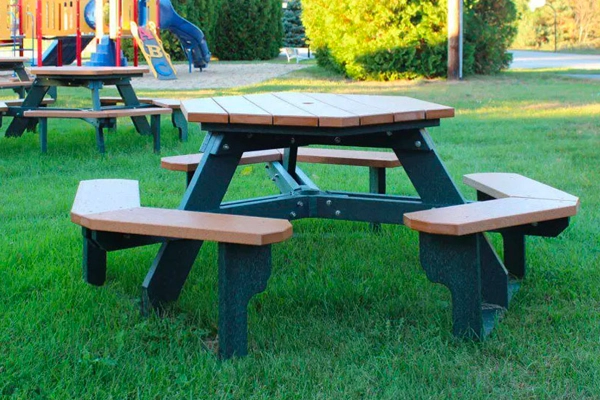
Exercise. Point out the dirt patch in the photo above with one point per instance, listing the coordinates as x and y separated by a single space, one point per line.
218 75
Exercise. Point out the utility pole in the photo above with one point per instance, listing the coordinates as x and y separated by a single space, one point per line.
454 39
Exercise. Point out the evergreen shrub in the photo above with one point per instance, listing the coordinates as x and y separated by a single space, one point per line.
294 34
249 30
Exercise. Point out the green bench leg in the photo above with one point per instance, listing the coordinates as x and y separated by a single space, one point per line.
94 261
43 123
100 139
377 185
181 124
514 253
454 262
155 128
243 272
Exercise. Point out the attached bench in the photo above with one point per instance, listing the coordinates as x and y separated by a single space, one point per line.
112 219
377 161
100 119
512 205
19 102
177 118
18 87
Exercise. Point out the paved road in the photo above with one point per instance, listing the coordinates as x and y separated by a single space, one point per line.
538 59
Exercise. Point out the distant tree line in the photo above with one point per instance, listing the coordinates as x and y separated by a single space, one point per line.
577 24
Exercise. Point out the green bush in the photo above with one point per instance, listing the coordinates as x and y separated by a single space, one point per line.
249 30
490 27
370 39
294 34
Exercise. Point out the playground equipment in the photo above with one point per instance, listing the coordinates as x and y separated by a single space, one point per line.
72 25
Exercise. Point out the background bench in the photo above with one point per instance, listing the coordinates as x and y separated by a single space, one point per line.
110 213
177 118
18 87
100 119
513 205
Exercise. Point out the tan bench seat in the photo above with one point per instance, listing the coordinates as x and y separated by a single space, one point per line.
487 216
15 84
3 107
19 102
114 100
501 185
100 119
114 206
377 161
109 211
177 118
189 162
116 113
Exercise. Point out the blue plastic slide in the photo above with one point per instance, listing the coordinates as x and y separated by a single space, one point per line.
191 37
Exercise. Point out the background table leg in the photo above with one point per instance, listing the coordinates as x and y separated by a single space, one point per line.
130 99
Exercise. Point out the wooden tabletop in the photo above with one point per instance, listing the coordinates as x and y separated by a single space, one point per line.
13 59
88 71
311 109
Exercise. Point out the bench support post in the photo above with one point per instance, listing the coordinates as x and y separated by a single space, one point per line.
94 260
43 124
100 138
130 99
179 122
494 277
376 185
454 262
514 253
155 127
243 272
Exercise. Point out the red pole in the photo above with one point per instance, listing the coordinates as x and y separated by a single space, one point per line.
59 58
78 27
20 13
118 41
136 19
39 32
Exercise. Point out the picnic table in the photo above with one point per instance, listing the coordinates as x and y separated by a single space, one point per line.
453 250
16 65
93 78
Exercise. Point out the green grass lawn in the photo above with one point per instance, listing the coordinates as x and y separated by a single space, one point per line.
348 314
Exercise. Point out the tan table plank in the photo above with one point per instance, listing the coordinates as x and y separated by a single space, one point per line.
369 115
3 107
204 110
243 111
402 108
88 71
329 116
406 108
283 112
